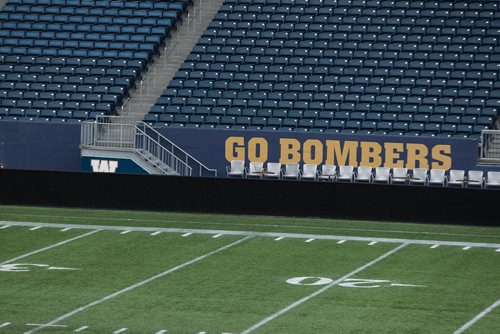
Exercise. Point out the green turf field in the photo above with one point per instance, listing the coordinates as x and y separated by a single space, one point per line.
95 271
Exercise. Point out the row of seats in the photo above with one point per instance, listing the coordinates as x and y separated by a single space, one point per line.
325 66
473 5
50 70
28 5
397 175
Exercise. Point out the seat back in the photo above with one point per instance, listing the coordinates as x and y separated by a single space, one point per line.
364 173
437 176
256 167
493 179
345 172
292 170
237 166
456 175
382 174
273 167
420 173
399 172
475 175
328 170
309 170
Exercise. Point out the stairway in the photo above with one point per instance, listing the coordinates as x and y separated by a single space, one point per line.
171 57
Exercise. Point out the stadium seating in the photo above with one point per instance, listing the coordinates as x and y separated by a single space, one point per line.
74 59
398 67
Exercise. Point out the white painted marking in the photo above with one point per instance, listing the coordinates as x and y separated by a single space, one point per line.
279 238
272 234
121 330
65 229
4 227
217 236
50 247
477 318
310 240
156 233
139 284
434 246
318 280
320 291
126 232
60 326
241 224
5 324
408 285
466 248
35 228
202 333
163 331
372 243
23 267
187 234
341 241
498 250
81 329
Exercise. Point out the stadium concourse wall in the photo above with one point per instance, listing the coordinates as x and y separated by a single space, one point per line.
255 197
55 147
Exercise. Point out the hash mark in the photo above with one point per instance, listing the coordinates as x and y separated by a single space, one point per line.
156 233
372 243
217 235
5 324
309 240
466 248
434 246
65 229
120 331
279 238
161 332
187 234
125 232
341 241
498 250
35 228
81 329
1 228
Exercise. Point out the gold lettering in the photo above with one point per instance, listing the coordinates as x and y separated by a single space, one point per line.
307 155
371 154
442 155
392 155
416 153
235 148
258 149
337 155
289 151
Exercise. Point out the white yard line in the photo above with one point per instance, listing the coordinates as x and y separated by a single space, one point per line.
262 234
81 329
477 318
50 247
137 285
163 221
320 291
5 324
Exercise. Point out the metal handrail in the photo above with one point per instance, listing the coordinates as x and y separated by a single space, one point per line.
490 139
177 148
169 158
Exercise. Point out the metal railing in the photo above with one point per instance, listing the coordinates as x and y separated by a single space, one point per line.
154 152
198 169
490 145
110 132
124 134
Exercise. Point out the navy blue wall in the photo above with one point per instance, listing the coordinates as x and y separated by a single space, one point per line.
52 146
40 146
